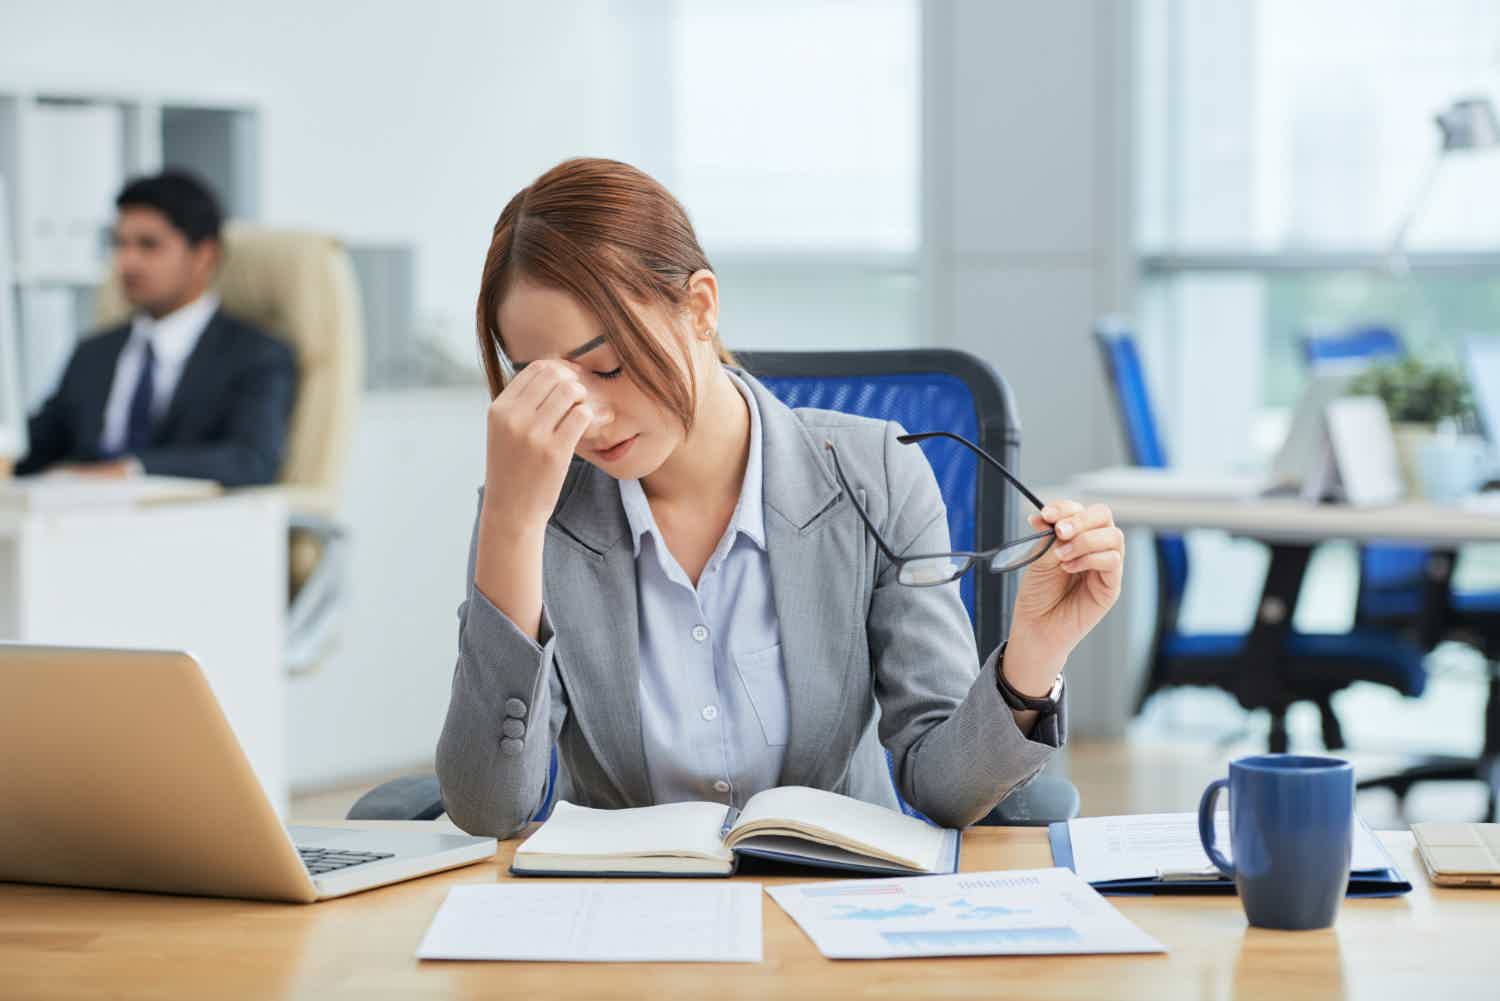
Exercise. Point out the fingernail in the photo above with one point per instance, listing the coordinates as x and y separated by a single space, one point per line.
1049 512
1063 552
1065 529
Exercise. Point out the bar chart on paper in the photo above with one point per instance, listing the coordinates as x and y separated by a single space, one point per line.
1036 912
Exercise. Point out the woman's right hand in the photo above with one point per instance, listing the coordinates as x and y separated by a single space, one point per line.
534 426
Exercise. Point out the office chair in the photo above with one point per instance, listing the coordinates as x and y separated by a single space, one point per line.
922 389
1410 588
300 286
1273 665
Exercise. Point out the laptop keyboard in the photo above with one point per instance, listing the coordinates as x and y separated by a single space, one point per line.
325 860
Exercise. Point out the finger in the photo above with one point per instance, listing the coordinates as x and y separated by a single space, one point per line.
1107 561
1062 513
1092 541
549 374
1083 520
1055 511
574 425
563 398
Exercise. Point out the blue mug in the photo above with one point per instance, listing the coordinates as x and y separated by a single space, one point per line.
1291 828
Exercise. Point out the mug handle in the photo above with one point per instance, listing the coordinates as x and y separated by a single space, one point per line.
1206 826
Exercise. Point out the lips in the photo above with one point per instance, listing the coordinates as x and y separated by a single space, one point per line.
618 449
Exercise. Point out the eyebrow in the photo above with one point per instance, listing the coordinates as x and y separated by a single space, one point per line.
576 353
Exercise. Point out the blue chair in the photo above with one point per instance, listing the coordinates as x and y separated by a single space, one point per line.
1395 582
1273 665
923 389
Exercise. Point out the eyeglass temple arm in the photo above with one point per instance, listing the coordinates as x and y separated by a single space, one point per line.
908 439
859 508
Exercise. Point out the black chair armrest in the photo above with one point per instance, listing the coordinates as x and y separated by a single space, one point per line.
1044 800
411 797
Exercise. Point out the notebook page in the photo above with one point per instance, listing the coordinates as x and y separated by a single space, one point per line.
690 829
852 820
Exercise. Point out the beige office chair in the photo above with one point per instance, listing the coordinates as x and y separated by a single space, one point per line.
300 286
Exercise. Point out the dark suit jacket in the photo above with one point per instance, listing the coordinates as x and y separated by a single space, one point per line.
227 419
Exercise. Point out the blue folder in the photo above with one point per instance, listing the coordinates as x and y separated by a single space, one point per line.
1387 882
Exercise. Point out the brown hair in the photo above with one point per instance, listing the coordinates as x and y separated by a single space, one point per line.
609 235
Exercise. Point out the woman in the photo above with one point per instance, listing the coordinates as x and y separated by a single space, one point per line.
669 584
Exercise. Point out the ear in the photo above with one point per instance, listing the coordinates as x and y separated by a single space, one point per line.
703 301
207 256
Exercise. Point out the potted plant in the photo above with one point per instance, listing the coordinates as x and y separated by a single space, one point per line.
1418 397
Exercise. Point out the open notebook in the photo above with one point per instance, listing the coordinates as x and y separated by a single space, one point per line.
790 823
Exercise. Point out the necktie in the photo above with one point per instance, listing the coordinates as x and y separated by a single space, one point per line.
138 429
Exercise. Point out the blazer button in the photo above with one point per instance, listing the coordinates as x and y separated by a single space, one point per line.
515 707
513 728
510 747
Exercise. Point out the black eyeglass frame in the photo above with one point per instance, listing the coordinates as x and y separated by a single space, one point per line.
970 558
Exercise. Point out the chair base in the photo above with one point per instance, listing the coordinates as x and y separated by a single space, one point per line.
1444 768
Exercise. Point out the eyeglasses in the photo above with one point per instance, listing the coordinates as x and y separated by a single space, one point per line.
933 569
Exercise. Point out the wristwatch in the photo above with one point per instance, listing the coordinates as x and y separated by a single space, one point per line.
1046 704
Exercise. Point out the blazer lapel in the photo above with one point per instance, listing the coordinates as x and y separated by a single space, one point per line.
591 596
198 380
816 584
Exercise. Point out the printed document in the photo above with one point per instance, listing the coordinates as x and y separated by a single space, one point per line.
598 922
1024 912
1166 845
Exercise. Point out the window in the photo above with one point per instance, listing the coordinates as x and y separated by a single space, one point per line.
796 150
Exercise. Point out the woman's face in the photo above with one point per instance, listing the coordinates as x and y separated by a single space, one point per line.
632 434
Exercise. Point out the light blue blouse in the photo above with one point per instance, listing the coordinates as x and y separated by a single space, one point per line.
713 690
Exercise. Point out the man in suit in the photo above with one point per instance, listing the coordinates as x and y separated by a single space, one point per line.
184 388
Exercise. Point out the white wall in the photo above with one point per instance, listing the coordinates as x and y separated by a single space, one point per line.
383 120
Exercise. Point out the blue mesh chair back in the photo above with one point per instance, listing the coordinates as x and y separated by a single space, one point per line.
1392 578
1127 377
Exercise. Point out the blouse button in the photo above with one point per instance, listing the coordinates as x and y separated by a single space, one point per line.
700 633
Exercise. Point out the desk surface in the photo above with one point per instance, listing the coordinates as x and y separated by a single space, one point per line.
64 943
1283 519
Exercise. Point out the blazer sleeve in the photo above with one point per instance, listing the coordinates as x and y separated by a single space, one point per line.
493 773
50 433
250 449
955 745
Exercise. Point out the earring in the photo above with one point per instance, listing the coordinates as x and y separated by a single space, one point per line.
708 334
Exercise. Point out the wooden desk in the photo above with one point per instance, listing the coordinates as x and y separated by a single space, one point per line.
1434 944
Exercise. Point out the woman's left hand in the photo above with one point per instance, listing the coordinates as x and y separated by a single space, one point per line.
1066 592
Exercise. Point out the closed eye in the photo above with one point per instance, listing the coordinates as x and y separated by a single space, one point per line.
614 374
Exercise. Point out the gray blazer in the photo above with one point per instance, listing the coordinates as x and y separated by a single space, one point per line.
869 662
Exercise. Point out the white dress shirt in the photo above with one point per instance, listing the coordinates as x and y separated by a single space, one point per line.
172 339
714 710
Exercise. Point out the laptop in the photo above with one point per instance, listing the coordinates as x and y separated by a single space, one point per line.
1297 465
120 772
1460 854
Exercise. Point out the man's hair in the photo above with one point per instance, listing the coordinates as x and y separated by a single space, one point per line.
188 203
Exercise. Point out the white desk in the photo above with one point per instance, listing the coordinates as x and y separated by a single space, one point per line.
1291 528
208 576
1292 520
